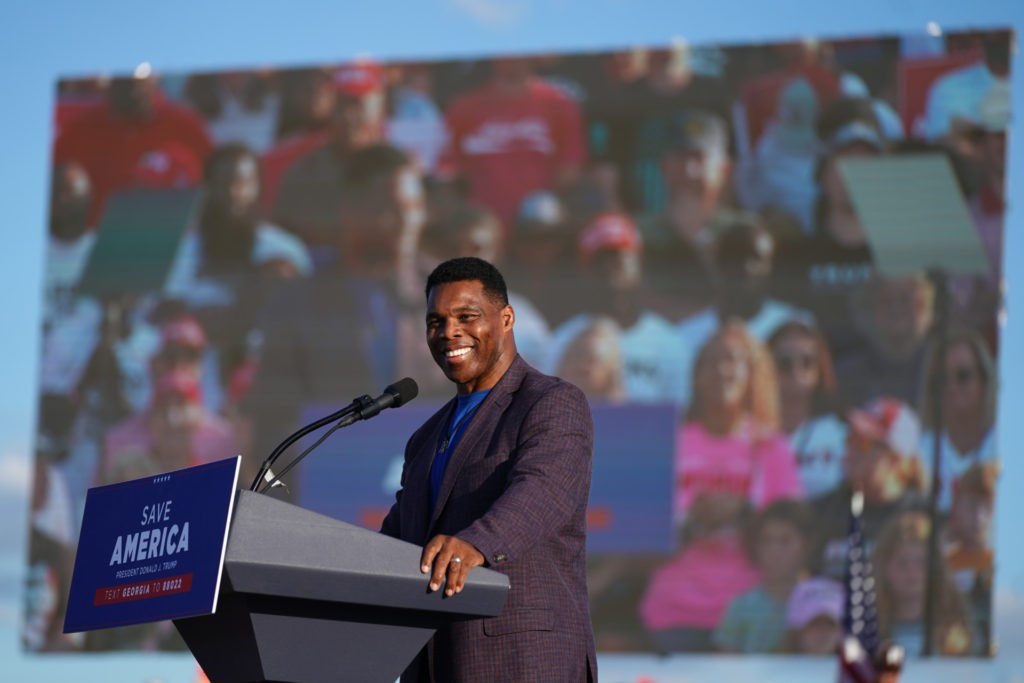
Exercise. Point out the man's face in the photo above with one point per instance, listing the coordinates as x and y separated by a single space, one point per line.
469 335
615 270
236 186
387 221
358 120
747 270
696 172
903 314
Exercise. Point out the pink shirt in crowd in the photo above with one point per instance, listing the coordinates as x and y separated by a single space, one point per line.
760 470
693 589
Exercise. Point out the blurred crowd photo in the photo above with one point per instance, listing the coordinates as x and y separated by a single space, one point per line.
696 230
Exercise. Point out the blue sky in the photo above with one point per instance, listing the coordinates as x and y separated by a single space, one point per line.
47 39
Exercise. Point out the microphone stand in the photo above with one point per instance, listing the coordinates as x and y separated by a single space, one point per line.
352 417
354 407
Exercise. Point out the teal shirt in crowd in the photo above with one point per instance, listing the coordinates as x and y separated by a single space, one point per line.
753 622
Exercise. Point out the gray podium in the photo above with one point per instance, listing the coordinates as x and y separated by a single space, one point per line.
308 598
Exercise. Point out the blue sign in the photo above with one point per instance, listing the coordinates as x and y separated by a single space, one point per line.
354 475
152 548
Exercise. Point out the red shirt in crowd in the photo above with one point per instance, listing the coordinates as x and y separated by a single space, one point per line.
167 149
508 147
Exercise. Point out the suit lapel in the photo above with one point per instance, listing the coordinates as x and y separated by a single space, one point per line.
474 440
421 471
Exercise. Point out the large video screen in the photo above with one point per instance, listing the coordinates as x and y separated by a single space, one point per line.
775 270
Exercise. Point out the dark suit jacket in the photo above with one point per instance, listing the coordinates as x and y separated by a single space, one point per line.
516 487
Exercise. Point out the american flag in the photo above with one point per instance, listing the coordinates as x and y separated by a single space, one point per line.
860 641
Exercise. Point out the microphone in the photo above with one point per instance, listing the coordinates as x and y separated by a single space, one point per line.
361 408
394 396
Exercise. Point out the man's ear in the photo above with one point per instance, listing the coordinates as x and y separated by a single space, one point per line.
508 317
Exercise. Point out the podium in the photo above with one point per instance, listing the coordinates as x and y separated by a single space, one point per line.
305 597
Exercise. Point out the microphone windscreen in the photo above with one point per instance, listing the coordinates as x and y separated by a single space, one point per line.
404 391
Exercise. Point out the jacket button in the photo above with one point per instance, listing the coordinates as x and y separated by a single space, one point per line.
499 557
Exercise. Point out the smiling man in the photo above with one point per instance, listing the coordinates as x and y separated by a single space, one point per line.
499 477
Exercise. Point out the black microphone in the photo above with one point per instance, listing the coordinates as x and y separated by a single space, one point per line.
394 395
361 408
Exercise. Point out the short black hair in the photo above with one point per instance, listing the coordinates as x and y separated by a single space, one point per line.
466 268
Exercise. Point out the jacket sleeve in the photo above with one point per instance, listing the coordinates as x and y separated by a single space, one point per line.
548 484
391 526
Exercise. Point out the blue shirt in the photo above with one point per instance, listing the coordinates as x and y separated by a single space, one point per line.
465 409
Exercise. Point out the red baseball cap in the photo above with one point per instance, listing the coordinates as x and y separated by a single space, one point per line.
358 79
610 230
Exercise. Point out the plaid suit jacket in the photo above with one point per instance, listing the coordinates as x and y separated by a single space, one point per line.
516 487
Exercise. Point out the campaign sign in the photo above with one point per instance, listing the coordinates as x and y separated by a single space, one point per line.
152 548
354 475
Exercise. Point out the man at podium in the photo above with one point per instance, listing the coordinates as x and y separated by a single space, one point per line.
498 477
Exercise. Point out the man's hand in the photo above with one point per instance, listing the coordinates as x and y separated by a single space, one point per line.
451 559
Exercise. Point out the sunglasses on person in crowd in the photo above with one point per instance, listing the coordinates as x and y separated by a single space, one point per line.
787 362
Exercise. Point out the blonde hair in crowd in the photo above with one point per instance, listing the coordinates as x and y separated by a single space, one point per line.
950 632
761 399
